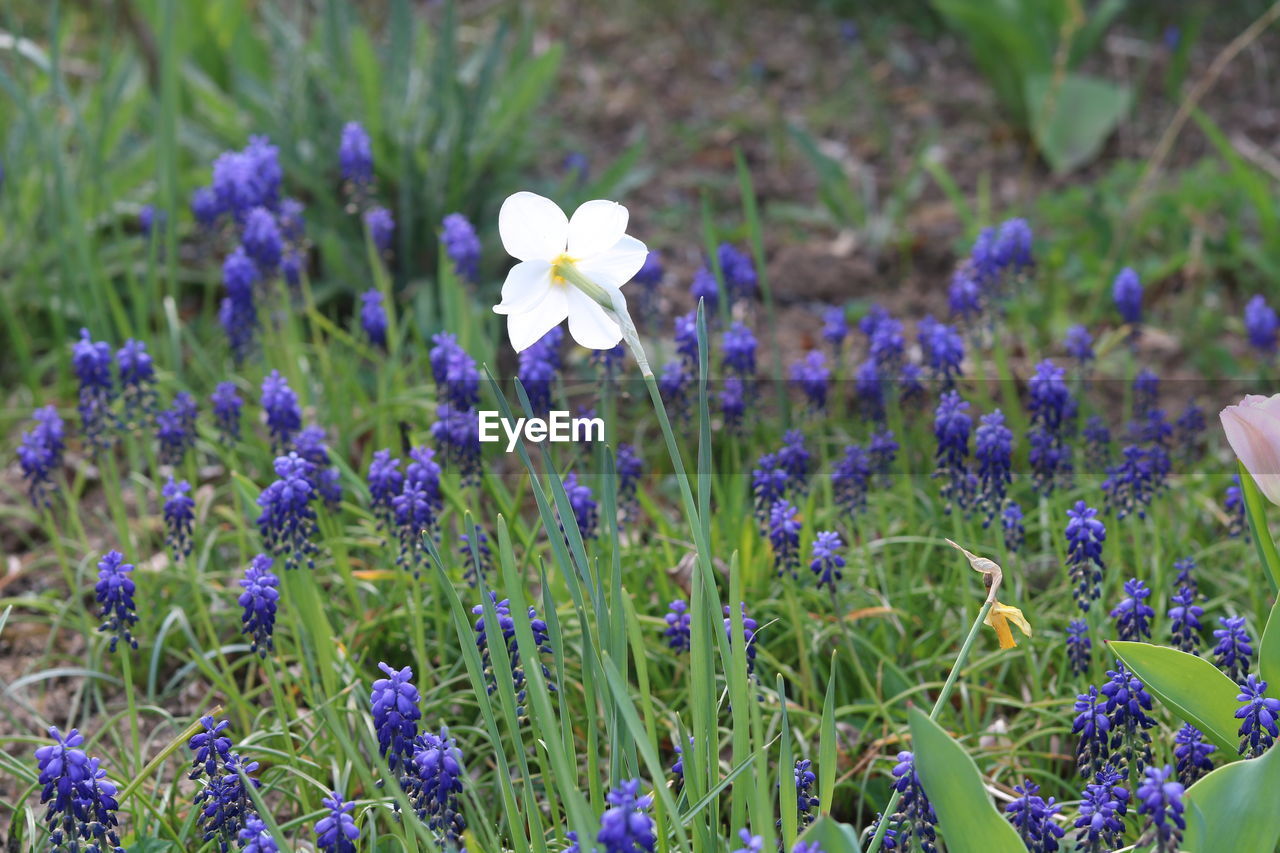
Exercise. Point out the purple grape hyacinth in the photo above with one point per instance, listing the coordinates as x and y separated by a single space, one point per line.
1192 754
179 516
176 429
284 416
114 591
915 816
827 559
355 154
678 621
81 802
91 361
287 522
1160 800
40 454
259 601
337 832
507 633
1261 324
784 536
1258 716
373 317
625 826
394 702
1234 648
951 427
1133 615
1032 816
382 227
461 245
227 407
1085 535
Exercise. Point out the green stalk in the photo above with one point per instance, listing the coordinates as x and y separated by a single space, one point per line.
947 687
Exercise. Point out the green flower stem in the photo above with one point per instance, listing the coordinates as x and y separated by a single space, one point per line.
947 687
126 665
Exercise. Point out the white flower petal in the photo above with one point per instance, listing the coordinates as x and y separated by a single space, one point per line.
526 328
533 227
526 285
595 227
616 265
589 325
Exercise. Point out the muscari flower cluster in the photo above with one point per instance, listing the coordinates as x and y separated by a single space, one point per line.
259 601
1079 646
416 508
951 426
828 559
225 807
337 832
993 450
461 245
179 516
80 813
1192 754
1261 325
40 454
137 382
915 818
284 415
1234 648
287 522
91 361
1160 802
677 632
176 429
582 503
1103 806
1032 816
507 631
1113 725
629 467
474 549
1258 716
456 430
537 369
227 408
114 591
311 446
1053 415
1133 615
1085 534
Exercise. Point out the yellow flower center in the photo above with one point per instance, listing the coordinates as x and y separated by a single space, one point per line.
557 264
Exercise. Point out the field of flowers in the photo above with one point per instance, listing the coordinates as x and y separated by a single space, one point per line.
368 489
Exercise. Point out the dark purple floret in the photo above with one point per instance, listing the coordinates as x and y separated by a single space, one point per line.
1079 646
1160 801
686 339
262 241
227 407
259 603
749 627
1133 615
951 426
1085 534
414 515
179 516
869 388
91 361
461 245
583 504
806 802
1261 324
835 327
337 832
1101 820
254 837
394 702
1233 504
1079 345
1234 648
828 559
537 367
943 349
739 346
284 416
1192 754
993 450
434 783
40 454
385 482
355 154
915 816
1184 620
705 289
457 379
474 550
1032 816
813 377
176 429
137 380
81 801
1127 704
311 445
1126 292
1015 533
629 467
677 631
238 314
287 522
625 826
1093 726
1258 727
739 272
114 591
851 478
373 317
507 630
225 808
382 227
784 536
673 384
456 433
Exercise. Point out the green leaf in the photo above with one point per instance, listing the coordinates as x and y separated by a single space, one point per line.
1191 687
832 836
1255 507
151 845
966 816
1235 807
1070 117
1269 651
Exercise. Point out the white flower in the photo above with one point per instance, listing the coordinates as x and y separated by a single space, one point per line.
561 262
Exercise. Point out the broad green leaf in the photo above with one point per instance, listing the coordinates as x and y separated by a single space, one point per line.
1256 508
832 836
1071 116
1190 686
966 816
1269 651
1236 807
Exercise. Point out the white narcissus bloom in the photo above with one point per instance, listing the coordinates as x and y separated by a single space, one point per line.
568 268
1253 430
